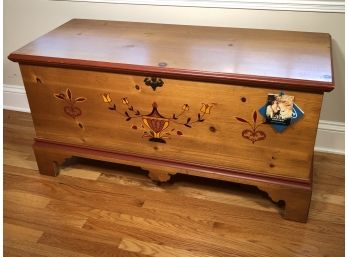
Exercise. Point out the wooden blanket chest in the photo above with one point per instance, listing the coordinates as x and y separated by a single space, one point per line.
240 105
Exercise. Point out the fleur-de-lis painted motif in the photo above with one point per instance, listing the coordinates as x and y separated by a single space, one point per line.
253 134
70 108
158 125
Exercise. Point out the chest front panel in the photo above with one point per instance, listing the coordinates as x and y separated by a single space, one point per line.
196 122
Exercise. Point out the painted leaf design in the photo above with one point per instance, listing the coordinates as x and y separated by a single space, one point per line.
68 93
60 96
255 116
241 120
113 108
80 99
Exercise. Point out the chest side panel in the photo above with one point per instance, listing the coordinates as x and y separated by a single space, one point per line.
196 122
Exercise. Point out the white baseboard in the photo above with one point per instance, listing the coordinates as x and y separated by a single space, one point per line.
15 98
284 5
330 137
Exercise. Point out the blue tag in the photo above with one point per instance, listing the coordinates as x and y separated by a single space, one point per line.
297 114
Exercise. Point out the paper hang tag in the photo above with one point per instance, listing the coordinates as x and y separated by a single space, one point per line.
280 111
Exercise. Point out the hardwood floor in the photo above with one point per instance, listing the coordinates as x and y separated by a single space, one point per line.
100 209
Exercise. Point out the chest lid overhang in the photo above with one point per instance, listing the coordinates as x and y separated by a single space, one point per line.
269 58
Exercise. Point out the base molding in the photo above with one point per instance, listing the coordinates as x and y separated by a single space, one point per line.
296 195
330 136
170 166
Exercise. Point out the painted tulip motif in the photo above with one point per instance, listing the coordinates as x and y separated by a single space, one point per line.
185 107
125 101
157 126
206 108
106 98
253 134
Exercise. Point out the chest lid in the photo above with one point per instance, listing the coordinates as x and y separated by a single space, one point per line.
268 58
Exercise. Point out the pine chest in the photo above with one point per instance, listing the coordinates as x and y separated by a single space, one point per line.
240 105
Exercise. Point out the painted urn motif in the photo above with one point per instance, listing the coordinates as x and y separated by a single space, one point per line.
156 123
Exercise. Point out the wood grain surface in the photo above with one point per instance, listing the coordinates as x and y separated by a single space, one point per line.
101 209
283 59
216 140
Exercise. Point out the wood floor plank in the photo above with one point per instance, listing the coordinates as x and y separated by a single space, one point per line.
36 249
19 160
82 245
20 233
193 245
220 232
72 189
323 211
329 198
41 216
25 198
80 173
228 192
65 230
124 212
155 250
104 193
16 252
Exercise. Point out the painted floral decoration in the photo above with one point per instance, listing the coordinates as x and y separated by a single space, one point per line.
70 107
157 127
206 108
106 98
253 134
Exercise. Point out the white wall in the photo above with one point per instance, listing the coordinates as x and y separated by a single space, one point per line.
26 20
